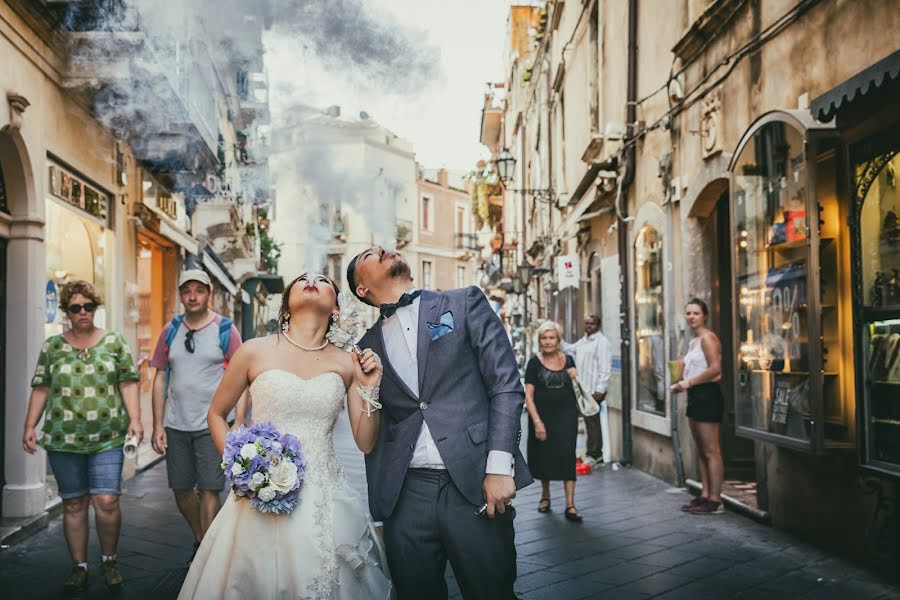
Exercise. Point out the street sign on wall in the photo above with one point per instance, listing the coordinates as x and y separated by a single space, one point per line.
568 273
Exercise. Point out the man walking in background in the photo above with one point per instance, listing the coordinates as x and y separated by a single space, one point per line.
190 360
593 361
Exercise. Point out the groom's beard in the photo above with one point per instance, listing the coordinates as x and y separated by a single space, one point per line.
399 268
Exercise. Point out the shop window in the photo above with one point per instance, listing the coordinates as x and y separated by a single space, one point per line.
648 299
879 255
790 286
76 248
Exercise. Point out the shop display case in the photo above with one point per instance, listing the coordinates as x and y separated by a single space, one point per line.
648 299
792 317
876 233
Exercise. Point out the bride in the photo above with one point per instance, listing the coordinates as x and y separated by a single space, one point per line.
326 547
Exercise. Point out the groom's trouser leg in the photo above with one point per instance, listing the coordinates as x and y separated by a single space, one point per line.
412 538
481 551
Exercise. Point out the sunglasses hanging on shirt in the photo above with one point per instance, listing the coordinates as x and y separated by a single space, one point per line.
189 340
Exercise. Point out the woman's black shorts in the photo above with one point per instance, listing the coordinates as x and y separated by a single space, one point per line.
705 402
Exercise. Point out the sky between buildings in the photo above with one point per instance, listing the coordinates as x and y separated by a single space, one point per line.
439 111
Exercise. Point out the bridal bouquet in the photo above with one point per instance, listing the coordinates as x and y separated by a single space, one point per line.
264 466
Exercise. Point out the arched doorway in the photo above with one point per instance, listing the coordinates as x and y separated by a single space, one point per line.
707 215
21 262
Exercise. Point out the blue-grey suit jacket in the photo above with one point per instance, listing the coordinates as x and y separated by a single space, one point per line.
468 379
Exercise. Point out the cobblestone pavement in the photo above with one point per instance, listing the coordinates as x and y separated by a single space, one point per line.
634 543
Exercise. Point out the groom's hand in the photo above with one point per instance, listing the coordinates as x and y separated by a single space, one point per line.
499 490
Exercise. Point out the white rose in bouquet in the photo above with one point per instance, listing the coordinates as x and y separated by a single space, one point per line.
257 481
266 494
236 469
347 326
248 451
283 477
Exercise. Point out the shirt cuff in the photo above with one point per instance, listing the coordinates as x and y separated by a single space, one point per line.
500 463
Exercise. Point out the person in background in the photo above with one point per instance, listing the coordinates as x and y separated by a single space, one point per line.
190 359
593 361
85 386
553 411
700 379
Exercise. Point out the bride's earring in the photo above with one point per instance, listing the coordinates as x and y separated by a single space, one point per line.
285 323
334 321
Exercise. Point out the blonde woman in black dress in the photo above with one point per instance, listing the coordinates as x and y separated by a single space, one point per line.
553 423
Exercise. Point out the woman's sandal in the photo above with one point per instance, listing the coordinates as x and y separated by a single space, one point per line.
542 507
573 515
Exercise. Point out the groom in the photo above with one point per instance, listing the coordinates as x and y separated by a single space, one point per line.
447 462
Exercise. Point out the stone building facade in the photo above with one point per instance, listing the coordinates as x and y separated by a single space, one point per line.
741 152
104 156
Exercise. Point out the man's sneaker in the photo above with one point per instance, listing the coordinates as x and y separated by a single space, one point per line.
697 501
112 575
589 461
708 507
77 580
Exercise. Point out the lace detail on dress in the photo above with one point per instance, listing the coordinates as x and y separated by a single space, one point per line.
309 408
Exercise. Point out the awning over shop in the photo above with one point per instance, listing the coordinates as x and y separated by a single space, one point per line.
179 237
274 284
839 98
217 269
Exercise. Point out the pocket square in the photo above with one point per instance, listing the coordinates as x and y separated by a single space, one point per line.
439 330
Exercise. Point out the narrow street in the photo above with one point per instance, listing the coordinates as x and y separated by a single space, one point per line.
634 543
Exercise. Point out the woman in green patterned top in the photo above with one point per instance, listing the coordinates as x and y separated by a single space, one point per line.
85 386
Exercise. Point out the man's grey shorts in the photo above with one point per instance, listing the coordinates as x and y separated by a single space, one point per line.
192 460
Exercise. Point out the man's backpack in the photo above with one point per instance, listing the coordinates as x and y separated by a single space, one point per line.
224 340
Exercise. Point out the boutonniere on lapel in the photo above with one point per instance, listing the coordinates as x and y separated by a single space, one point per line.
439 330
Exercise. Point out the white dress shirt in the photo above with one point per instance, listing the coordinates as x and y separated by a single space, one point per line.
593 361
401 344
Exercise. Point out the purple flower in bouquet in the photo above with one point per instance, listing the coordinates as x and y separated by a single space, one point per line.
265 466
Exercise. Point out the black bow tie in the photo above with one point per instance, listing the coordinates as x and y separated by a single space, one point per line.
388 310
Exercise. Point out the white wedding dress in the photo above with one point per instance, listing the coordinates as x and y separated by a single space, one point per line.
326 548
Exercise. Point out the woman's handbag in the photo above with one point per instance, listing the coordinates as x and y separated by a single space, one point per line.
587 406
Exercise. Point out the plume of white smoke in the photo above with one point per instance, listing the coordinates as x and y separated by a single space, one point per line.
326 179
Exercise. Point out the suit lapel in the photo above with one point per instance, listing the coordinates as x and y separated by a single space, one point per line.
429 309
388 368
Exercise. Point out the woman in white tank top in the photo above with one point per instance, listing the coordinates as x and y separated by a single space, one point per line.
701 373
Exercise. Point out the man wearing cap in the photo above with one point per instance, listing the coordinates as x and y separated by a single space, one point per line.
190 360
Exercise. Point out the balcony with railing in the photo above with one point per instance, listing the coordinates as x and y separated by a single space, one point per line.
150 87
467 242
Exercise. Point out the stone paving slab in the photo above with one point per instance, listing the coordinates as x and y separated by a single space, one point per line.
634 544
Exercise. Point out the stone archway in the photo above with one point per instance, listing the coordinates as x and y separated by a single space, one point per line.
706 188
22 230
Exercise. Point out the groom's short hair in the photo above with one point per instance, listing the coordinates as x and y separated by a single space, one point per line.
351 280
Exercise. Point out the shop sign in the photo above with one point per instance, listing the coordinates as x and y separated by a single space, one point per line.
76 192
51 301
568 272
167 204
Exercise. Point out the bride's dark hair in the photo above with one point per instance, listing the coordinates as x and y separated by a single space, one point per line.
286 297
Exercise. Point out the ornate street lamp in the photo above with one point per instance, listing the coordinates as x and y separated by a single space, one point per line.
506 170
525 273
506 166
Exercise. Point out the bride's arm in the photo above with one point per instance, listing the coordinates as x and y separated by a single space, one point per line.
364 416
232 388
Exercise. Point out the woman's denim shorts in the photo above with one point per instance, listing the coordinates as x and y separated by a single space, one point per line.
78 475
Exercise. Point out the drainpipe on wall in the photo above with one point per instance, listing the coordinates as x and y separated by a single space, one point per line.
627 179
